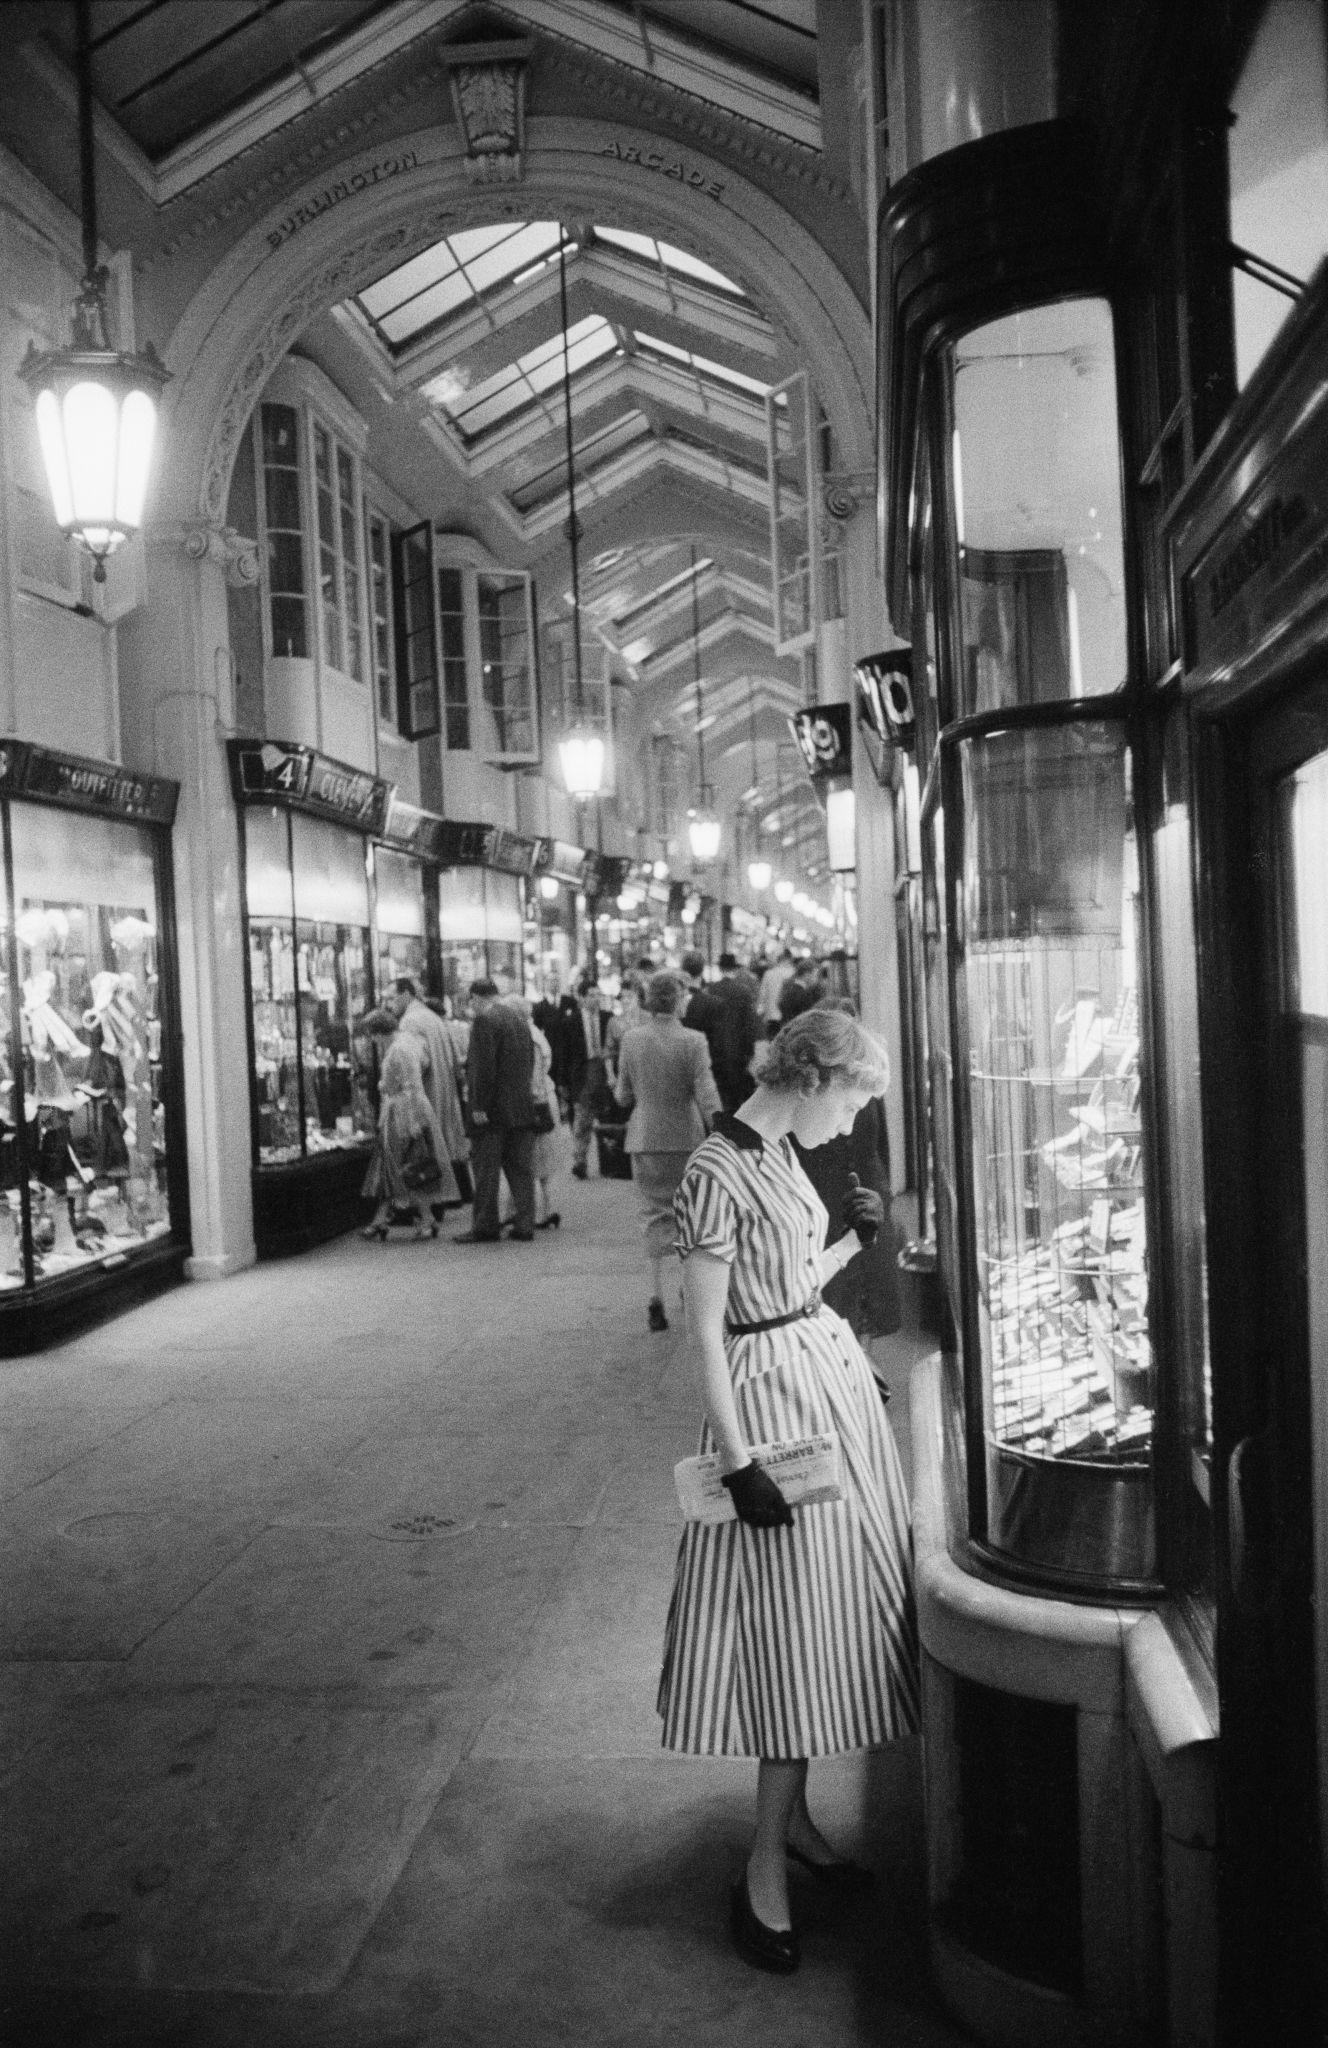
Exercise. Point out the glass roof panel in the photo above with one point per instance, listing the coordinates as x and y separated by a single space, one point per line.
671 257
518 384
403 283
705 367
425 308
405 302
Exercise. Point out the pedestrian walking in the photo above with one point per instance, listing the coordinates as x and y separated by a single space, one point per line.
790 1636
665 1082
444 1067
587 1069
502 1115
547 1151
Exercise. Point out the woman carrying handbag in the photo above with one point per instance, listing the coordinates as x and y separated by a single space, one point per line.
410 1167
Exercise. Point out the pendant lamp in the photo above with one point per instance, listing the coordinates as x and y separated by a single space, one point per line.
96 406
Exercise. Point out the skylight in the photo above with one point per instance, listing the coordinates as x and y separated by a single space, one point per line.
669 258
705 368
453 273
590 455
518 385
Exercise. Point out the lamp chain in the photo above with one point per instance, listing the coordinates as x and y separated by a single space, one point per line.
696 664
90 307
571 477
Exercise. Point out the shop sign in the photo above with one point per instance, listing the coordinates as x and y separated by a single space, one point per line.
463 845
510 853
824 733
559 858
80 785
411 830
274 771
1266 563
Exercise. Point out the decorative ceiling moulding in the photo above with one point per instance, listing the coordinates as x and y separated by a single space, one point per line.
488 82
256 298
331 281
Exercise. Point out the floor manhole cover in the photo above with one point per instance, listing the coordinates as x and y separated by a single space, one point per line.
417 1528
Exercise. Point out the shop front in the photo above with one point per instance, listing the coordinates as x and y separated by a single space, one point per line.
93 1187
1069 1728
313 953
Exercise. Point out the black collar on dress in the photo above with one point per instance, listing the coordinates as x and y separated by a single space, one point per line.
738 1133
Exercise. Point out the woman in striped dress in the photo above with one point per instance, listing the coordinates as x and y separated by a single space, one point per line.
789 1635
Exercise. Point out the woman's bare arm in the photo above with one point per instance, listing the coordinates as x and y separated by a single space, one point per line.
705 1285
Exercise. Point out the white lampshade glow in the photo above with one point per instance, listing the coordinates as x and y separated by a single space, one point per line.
549 888
783 891
759 873
96 423
704 833
661 871
582 755
841 830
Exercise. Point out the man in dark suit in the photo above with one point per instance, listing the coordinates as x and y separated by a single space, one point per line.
701 1011
559 1018
586 1070
498 1082
732 1031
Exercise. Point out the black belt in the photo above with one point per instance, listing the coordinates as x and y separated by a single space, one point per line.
810 1307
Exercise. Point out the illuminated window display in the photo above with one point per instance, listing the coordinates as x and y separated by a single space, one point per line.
86 1134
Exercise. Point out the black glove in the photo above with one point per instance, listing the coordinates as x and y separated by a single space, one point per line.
863 1210
758 1500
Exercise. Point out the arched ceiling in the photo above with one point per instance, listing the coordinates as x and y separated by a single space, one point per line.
456 356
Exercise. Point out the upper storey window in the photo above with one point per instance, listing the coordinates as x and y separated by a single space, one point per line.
1037 506
312 514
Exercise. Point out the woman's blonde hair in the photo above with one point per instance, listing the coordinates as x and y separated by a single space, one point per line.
823 1048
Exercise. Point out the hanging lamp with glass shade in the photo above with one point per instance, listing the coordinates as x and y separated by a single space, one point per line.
581 748
96 406
703 827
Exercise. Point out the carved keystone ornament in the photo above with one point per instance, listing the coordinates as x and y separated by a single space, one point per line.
488 82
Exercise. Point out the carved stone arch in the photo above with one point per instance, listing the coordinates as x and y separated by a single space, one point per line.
335 233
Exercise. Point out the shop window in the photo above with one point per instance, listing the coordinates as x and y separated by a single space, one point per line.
87 932
1050 897
481 929
1278 164
382 649
398 918
1036 468
310 981
288 610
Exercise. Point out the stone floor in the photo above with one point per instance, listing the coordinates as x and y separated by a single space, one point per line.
330 1612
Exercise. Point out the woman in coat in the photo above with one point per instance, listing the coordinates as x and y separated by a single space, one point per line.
547 1158
410 1168
790 1635
664 1079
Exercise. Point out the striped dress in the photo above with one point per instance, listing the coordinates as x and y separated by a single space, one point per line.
796 1642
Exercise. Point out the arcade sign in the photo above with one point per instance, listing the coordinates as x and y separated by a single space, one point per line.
824 733
885 697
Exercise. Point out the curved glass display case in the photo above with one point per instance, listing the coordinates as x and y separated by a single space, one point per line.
1030 855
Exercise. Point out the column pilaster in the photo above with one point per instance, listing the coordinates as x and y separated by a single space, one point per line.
177 709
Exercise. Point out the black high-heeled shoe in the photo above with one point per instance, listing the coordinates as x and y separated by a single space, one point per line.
765 1948
375 1230
549 1222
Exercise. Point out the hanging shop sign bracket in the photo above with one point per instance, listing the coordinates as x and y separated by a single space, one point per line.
43 776
824 733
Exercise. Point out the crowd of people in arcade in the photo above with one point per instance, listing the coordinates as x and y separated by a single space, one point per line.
488 1108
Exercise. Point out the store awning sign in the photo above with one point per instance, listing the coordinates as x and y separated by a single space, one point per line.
464 845
44 776
558 857
824 733
411 830
276 771
510 853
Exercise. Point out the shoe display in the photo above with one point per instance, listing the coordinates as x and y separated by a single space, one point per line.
477 1237
842 1875
655 1315
579 1169
765 1948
